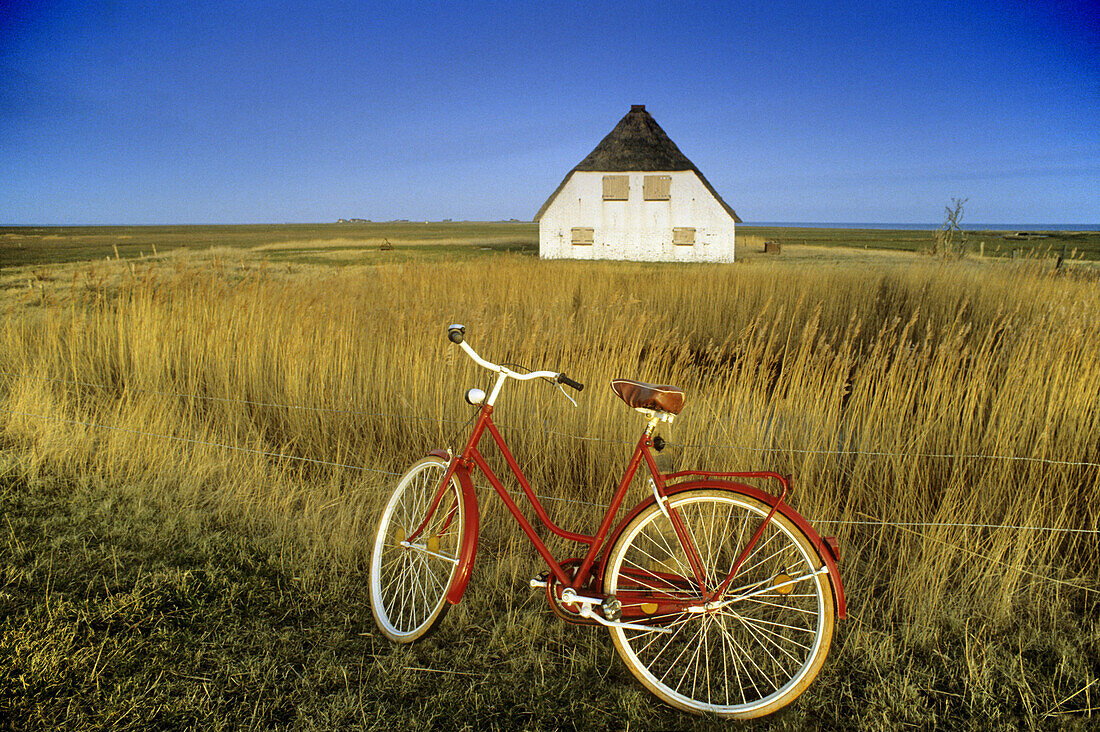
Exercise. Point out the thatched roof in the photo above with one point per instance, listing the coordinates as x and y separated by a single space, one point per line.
637 144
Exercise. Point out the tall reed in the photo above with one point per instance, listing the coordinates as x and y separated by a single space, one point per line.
961 394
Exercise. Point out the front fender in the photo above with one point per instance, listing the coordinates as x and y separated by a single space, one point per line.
468 550
823 549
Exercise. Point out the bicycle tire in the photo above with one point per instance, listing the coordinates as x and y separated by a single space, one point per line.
408 585
746 659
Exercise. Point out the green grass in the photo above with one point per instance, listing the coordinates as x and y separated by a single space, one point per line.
118 614
23 246
359 243
1086 244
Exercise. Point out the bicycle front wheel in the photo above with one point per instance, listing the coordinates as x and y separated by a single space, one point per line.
750 652
409 578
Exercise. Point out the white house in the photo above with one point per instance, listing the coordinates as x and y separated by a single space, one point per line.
637 197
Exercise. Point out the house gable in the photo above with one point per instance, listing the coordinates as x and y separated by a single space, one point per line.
636 144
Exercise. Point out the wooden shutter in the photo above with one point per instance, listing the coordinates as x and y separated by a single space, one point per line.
616 187
657 188
583 235
683 236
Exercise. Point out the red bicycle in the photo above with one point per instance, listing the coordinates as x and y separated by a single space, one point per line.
719 597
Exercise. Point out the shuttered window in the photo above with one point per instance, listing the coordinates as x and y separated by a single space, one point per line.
616 187
582 235
657 188
683 236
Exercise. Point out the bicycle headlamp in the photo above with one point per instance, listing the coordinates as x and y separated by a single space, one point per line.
475 396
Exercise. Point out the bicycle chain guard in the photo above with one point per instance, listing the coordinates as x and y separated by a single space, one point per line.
568 613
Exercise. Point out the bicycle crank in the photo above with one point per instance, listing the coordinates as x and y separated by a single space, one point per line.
569 596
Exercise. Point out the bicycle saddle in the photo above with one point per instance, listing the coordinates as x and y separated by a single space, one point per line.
640 395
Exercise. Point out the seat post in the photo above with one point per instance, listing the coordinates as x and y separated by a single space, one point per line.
655 417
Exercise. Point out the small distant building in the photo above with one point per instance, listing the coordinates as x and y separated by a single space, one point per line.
637 197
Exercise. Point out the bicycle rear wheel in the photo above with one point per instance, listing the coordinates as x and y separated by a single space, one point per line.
409 579
752 652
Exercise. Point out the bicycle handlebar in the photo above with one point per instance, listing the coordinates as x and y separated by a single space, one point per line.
456 333
563 379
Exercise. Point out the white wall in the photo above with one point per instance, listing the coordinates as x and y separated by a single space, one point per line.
636 229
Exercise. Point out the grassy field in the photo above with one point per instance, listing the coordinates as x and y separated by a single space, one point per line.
1075 244
360 243
357 242
173 558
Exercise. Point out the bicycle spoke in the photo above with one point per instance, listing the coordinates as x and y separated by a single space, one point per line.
664 588
693 662
706 657
436 582
746 567
770 636
671 666
774 624
789 608
725 669
673 552
747 656
742 659
763 642
670 639
409 583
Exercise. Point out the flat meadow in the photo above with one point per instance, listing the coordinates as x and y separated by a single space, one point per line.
198 426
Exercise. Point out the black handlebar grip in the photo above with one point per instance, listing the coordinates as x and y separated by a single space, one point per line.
562 378
456 333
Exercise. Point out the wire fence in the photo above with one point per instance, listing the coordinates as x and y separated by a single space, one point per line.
704 446
348 466
193 441
912 527
264 453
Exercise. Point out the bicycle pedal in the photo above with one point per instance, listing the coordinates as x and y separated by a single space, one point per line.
612 608
540 582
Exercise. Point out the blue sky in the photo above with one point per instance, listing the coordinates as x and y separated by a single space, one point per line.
221 112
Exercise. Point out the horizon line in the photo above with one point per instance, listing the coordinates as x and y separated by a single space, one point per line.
989 226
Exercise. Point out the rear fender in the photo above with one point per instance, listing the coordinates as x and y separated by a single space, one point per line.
468 551
825 551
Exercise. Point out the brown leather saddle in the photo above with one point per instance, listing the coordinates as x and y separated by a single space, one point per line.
640 395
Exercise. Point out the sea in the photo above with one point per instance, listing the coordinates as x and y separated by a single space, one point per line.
925 227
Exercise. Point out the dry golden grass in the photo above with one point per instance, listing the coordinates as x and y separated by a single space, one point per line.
875 385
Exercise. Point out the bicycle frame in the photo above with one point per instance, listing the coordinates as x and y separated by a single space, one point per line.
460 467
712 587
